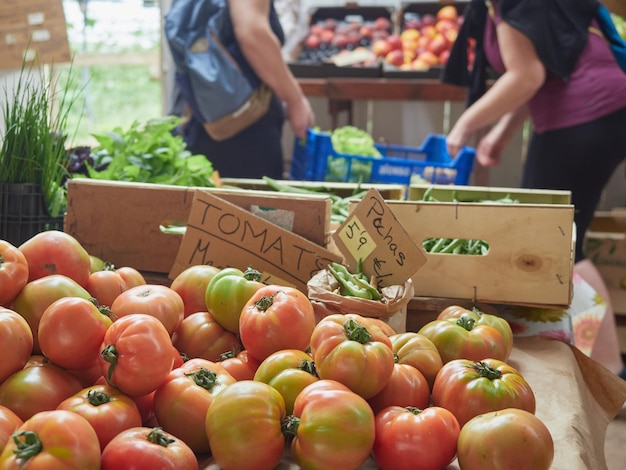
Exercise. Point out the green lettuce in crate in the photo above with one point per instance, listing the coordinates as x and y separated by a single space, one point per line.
352 141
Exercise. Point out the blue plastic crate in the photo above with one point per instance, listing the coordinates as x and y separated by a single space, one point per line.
314 159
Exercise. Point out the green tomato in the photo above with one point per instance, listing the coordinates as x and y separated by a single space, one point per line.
227 294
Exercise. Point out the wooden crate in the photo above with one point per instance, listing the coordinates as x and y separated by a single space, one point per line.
447 193
530 259
122 222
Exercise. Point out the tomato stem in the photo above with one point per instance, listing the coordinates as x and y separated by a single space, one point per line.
308 366
289 427
466 322
252 274
27 444
158 436
97 398
485 370
205 378
357 332
109 354
264 303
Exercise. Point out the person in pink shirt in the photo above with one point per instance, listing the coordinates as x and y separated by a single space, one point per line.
555 68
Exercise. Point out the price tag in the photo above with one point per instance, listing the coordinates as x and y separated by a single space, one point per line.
373 235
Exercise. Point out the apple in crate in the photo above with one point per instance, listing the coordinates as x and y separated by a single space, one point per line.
448 12
381 47
395 57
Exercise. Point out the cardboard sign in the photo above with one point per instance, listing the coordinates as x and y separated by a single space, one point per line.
32 31
222 234
374 235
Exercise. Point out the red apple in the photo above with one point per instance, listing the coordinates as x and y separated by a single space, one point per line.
395 41
379 34
444 25
428 19
438 44
451 35
395 57
326 36
312 41
330 24
315 29
366 31
382 23
428 57
412 23
381 47
340 41
447 12
429 30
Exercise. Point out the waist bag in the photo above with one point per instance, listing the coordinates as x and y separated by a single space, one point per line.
210 80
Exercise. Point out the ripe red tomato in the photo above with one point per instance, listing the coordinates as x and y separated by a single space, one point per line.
137 354
40 386
418 351
158 301
145 448
508 438
52 439
17 342
131 277
56 252
38 295
469 388
200 335
347 349
331 427
107 409
71 331
191 285
181 403
407 386
275 318
106 283
244 426
289 371
409 438
241 365
13 272
9 422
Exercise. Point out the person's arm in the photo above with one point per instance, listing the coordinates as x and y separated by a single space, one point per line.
490 147
524 76
262 50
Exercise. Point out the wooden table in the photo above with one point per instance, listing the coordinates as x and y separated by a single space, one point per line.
341 92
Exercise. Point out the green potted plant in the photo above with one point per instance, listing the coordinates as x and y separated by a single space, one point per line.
33 158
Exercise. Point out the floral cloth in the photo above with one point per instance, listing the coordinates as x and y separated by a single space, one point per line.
578 325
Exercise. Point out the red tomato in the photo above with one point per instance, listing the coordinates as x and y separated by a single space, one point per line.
53 440
71 331
40 386
200 335
241 365
144 448
244 426
408 438
275 318
289 371
9 422
181 403
13 272
347 349
508 438
105 286
407 386
131 277
418 351
137 354
469 388
331 427
17 342
108 410
191 285
38 295
155 300
56 252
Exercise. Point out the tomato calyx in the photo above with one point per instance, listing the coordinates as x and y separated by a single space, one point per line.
289 427
308 366
357 332
103 309
158 436
466 323
27 444
414 409
109 354
264 303
252 274
205 378
485 370
97 398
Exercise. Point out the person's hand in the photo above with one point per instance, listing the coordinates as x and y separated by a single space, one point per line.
300 116
457 139
489 150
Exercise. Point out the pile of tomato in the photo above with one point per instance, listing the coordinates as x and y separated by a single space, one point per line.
100 369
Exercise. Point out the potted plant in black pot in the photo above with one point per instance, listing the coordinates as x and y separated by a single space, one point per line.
33 158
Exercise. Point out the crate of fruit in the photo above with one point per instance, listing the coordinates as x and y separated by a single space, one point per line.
349 154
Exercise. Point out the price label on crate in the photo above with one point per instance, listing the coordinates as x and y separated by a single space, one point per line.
373 235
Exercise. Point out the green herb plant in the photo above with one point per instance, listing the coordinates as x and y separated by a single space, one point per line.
33 151
152 152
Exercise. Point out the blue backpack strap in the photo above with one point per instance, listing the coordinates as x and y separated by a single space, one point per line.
616 43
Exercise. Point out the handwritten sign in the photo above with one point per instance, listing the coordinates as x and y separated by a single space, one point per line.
222 234
373 235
